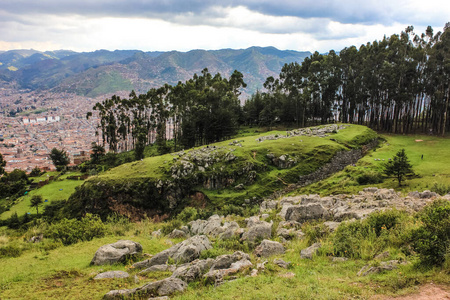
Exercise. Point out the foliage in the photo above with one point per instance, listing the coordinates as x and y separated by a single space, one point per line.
169 226
2 165
71 231
432 239
366 238
98 151
188 214
60 158
35 172
399 166
36 201
369 178
440 188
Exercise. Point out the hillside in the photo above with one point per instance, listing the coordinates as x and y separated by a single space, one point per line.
102 71
229 175
303 243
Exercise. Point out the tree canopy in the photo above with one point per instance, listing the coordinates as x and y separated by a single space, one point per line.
60 158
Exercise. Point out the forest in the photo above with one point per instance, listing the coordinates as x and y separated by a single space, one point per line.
400 84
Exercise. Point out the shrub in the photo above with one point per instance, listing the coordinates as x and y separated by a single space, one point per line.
71 231
10 251
168 227
188 214
369 178
432 240
440 188
387 220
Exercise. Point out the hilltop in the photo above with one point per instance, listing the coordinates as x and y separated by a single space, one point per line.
104 72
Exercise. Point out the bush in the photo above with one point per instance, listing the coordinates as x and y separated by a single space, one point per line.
188 214
440 188
10 251
369 178
168 227
432 240
73 231
387 220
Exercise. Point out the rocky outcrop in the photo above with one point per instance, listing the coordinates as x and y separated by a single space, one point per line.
213 227
268 248
185 251
384 266
302 213
116 252
163 287
257 230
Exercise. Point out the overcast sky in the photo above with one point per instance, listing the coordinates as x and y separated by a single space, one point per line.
162 25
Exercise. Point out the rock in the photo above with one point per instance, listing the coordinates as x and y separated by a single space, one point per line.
382 256
112 274
186 251
159 298
257 230
287 275
157 233
384 266
157 268
194 270
310 251
163 287
225 261
269 248
281 263
332 226
36 239
213 227
116 252
176 233
254 273
217 275
301 213
339 259
427 194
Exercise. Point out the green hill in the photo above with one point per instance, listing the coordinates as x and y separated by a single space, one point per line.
225 175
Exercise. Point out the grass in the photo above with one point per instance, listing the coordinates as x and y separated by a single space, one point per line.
432 169
56 190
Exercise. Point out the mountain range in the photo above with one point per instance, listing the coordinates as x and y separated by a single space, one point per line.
104 72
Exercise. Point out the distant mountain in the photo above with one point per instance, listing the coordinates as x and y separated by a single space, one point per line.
104 72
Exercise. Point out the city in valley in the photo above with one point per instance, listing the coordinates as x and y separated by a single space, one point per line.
33 123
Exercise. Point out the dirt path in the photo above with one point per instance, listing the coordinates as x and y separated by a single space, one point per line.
428 291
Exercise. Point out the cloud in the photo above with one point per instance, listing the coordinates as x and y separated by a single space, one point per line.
185 24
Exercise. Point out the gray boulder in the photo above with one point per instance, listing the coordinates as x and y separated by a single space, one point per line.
186 251
225 261
257 230
194 270
269 248
116 252
310 251
163 287
281 263
384 266
112 274
157 268
176 233
301 213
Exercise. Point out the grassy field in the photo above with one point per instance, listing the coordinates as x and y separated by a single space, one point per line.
56 190
433 169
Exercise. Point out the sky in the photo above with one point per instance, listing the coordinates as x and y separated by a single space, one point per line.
183 25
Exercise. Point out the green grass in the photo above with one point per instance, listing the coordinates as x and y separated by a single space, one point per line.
434 168
56 190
